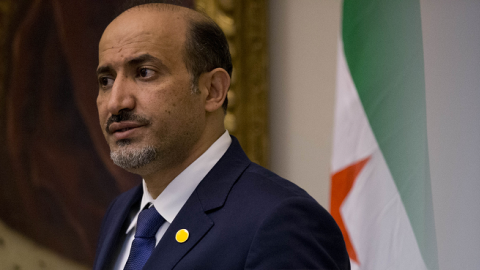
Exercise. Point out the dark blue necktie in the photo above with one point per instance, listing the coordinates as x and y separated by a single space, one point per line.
148 223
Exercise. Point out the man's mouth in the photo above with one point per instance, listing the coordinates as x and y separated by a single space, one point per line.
123 130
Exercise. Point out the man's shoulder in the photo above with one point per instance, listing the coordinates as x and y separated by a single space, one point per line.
280 224
260 193
270 185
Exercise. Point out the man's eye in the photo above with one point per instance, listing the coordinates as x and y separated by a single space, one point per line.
145 72
105 81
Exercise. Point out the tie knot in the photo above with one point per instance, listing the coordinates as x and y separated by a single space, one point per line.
148 223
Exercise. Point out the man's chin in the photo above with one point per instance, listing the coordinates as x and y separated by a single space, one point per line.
133 159
144 171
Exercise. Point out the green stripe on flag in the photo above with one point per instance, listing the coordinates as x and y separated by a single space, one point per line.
384 52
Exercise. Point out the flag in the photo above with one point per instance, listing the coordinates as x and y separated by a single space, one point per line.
381 195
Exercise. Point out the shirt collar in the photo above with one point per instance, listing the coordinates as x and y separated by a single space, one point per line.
176 194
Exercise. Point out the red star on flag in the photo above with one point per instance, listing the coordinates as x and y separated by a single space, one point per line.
342 183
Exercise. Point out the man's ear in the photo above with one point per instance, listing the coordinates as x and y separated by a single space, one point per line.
217 83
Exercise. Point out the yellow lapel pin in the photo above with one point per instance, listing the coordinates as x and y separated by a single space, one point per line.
182 236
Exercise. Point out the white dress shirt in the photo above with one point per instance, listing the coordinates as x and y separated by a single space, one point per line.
175 195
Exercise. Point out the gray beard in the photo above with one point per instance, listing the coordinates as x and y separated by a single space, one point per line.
135 158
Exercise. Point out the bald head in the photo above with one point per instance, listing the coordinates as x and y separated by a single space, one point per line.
205 46
164 22
165 7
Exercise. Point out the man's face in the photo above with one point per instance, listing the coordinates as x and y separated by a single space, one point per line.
148 113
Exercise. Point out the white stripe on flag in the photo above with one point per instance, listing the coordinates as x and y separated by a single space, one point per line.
373 212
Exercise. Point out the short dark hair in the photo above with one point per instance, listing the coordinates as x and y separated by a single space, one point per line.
206 46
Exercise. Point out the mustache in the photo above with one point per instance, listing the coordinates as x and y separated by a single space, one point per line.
126 116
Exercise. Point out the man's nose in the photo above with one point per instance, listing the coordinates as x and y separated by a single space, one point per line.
121 96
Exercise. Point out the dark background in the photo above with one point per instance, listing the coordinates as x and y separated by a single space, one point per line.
56 176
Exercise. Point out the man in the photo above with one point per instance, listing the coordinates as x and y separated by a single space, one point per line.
164 72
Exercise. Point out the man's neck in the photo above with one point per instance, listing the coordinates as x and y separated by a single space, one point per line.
157 181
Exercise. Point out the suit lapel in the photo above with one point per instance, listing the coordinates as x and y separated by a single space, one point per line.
210 194
215 187
112 229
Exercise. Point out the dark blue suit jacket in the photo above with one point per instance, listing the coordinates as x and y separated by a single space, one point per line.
241 216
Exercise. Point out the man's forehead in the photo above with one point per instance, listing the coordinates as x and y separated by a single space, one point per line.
146 23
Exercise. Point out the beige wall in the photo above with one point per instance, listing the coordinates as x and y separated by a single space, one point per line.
303 46
451 31
303 39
